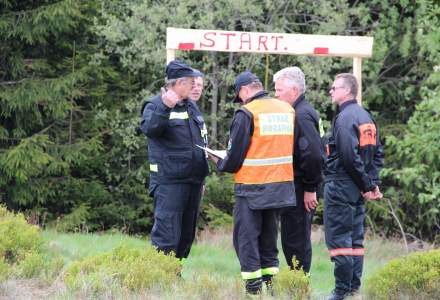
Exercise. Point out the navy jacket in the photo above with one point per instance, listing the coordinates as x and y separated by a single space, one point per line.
355 151
171 136
308 155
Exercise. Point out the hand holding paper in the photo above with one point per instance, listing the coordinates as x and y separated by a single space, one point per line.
219 154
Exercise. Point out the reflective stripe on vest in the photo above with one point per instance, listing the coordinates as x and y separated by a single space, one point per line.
269 157
179 115
268 161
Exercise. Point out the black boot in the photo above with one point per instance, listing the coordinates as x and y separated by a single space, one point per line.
267 279
253 286
338 295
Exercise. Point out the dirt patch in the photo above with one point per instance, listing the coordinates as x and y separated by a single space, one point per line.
30 289
317 235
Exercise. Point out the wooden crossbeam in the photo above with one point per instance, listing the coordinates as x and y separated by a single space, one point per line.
356 47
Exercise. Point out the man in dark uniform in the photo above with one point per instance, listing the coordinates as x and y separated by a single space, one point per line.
355 157
173 125
260 156
296 221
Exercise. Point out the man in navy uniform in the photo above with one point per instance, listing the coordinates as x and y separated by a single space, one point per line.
355 157
173 125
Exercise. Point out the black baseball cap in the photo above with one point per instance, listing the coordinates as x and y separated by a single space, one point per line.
178 69
243 79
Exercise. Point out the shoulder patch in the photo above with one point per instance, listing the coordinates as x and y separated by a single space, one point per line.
367 134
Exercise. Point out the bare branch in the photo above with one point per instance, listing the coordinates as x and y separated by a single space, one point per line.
13 82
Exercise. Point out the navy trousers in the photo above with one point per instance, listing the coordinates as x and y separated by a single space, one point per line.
296 227
344 215
255 240
176 208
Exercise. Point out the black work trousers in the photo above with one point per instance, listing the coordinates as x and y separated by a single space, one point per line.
255 239
176 208
296 228
344 214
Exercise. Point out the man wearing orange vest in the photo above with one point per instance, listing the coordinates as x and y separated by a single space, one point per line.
259 154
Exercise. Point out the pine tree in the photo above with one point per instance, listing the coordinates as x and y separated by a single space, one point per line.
59 107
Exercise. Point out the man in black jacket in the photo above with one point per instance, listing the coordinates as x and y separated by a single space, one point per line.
260 156
296 221
173 125
355 157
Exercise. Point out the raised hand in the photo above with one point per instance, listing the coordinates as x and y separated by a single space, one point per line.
169 97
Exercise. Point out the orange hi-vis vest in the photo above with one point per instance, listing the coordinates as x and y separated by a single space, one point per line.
269 158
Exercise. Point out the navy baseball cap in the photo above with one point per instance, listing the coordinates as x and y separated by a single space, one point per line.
199 74
243 79
178 69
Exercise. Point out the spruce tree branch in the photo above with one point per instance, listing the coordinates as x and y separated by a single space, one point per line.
32 10
46 129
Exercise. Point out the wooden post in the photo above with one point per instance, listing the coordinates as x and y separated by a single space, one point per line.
357 72
171 54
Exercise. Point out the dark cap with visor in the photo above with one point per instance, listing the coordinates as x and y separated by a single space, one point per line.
243 79
178 69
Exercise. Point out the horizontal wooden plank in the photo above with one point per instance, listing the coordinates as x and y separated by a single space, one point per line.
263 42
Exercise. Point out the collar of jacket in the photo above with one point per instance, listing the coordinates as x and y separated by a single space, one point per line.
184 102
347 103
260 94
299 100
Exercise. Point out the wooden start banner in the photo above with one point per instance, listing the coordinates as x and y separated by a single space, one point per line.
274 43
356 47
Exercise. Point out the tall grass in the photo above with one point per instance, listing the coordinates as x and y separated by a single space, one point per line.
212 270
74 246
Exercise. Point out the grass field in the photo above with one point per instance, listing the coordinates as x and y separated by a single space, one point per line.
211 272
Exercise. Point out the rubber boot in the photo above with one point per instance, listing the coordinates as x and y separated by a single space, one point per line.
253 286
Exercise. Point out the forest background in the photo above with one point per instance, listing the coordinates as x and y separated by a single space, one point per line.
74 76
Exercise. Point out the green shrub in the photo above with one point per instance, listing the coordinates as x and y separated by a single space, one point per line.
22 252
31 264
416 276
133 269
205 286
4 269
17 237
46 266
292 284
217 218
75 221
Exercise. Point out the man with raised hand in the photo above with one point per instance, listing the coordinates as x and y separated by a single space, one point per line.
173 125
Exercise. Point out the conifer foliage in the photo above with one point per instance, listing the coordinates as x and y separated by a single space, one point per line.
74 76
57 119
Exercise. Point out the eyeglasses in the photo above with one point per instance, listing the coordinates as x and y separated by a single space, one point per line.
333 88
